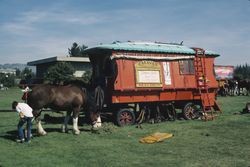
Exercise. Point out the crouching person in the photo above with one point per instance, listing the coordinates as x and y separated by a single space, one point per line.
26 116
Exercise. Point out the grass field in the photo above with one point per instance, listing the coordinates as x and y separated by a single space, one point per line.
222 142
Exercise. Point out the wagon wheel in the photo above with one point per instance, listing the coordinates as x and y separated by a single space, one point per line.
125 117
191 111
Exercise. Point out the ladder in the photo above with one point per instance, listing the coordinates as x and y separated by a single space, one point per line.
202 85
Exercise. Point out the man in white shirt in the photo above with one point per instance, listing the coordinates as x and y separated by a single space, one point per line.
25 114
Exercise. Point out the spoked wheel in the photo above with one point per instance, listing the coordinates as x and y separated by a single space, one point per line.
125 117
191 111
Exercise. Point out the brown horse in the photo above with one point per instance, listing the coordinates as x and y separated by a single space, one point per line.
68 98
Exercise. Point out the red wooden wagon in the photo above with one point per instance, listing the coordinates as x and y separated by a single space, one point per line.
136 76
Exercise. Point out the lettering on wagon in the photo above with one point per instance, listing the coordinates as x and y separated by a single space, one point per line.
148 74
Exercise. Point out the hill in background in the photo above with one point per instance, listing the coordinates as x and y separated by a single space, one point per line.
16 66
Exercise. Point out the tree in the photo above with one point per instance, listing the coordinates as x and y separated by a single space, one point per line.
242 72
86 77
18 73
7 80
76 50
83 47
27 74
59 73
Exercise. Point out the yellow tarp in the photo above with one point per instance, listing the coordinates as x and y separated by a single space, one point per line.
156 137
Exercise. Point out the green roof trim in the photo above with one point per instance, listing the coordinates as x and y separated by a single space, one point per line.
149 47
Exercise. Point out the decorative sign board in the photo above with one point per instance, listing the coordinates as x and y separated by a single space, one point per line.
148 74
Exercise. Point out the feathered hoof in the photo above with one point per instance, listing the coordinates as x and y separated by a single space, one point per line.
97 125
76 132
43 133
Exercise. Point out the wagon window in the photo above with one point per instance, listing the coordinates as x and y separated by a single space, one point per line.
186 66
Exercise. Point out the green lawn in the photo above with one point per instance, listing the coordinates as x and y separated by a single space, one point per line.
7 97
222 142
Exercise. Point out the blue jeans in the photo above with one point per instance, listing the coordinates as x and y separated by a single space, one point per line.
21 122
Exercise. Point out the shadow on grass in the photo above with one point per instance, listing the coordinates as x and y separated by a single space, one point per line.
47 119
10 135
13 135
82 120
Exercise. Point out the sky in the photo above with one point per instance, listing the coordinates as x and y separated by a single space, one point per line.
32 30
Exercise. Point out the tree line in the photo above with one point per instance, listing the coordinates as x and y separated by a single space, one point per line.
242 72
8 80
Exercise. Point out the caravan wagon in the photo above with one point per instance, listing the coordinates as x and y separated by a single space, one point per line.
134 76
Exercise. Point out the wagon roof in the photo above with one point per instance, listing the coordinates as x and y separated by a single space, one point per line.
151 47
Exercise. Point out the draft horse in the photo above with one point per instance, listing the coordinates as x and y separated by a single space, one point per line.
70 98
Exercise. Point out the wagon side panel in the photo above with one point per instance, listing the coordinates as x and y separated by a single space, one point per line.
125 79
212 83
181 81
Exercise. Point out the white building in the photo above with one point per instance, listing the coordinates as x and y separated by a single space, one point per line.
80 64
